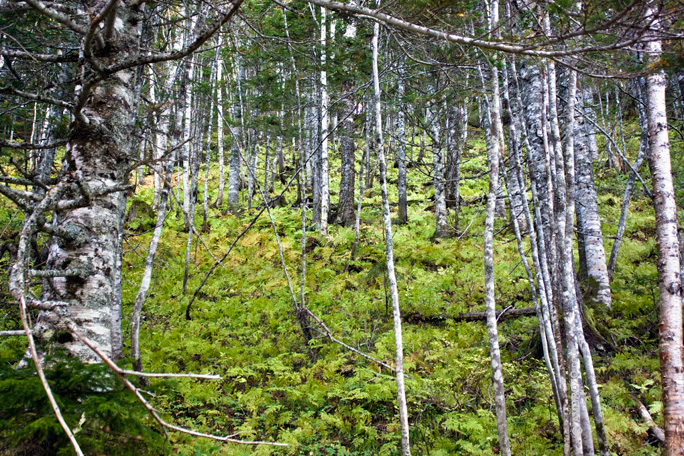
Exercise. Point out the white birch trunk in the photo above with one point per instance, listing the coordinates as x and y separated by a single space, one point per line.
325 116
219 125
149 266
401 148
669 280
389 252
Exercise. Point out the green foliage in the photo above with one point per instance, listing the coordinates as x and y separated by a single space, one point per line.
106 418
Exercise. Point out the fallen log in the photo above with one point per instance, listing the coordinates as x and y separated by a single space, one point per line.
437 319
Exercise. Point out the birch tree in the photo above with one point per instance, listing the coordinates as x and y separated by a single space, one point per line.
389 253
669 279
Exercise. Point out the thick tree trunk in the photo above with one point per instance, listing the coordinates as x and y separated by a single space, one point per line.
96 162
669 279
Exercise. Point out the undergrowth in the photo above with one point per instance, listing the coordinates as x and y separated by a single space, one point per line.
320 398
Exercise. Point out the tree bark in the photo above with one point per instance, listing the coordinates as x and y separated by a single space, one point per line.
669 280
402 212
96 166
495 134
219 125
389 253
588 220
325 116
631 181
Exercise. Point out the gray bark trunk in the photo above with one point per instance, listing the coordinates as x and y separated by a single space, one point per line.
149 266
493 158
588 220
441 225
401 149
219 126
345 208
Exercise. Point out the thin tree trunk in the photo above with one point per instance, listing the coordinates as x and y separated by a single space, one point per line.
324 173
441 225
205 202
149 266
631 181
219 124
493 159
389 253
401 148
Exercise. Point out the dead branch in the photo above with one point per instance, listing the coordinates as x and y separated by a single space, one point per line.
439 319
646 416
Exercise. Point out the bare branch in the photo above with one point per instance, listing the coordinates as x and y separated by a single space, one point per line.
332 338
35 97
52 58
502 46
234 6
29 146
164 375
11 333
57 16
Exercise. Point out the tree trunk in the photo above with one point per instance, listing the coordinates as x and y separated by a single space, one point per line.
98 156
219 125
389 253
401 148
441 225
345 208
631 181
493 158
149 266
324 173
588 220
669 280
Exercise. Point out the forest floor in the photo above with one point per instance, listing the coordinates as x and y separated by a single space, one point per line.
322 399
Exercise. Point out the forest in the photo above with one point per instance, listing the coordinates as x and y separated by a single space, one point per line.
318 227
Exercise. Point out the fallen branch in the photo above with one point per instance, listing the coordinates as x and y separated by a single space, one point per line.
17 332
646 416
437 319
